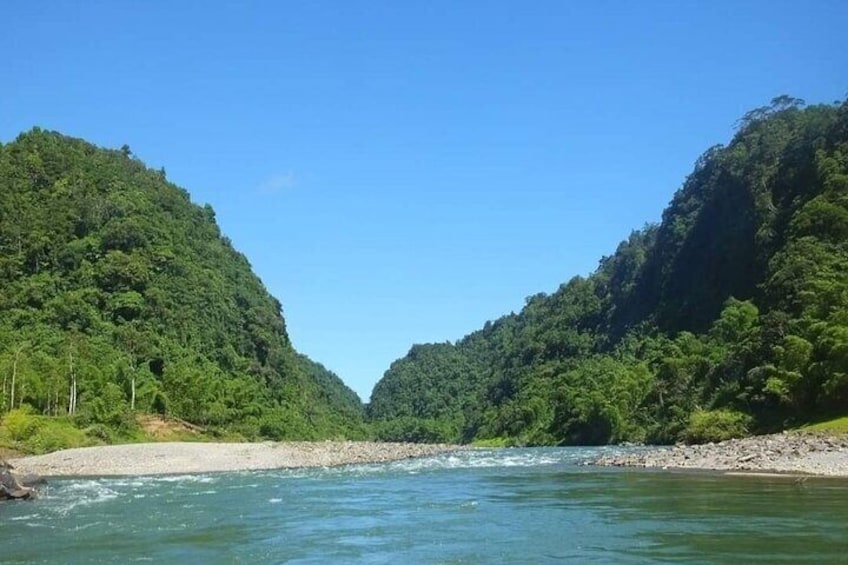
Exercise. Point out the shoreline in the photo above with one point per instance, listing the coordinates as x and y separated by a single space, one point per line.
795 455
788 454
172 458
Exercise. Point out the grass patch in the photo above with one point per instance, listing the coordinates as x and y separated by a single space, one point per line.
835 426
25 432
492 442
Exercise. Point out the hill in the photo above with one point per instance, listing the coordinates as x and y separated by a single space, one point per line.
728 317
120 295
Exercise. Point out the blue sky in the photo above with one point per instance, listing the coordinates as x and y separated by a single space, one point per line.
401 172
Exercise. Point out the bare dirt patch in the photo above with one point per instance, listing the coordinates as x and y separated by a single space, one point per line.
7 453
162 428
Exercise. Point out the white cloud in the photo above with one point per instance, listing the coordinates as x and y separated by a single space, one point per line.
278 183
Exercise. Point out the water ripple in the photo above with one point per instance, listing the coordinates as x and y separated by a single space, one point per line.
476 505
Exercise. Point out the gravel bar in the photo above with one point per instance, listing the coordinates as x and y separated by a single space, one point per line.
188 457
787 452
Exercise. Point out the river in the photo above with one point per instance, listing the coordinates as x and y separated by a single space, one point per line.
483 506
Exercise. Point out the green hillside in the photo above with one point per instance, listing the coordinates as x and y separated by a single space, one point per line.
728 317
118 295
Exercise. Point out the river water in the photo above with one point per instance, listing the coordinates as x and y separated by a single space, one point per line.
484 506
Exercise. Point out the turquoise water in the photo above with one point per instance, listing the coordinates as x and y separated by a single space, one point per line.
488 506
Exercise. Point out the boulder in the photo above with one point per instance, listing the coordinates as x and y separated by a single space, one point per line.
32 481
12 488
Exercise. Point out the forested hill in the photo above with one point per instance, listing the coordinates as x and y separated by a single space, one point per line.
117 294
729 317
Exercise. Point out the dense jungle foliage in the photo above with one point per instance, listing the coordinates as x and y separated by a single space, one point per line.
118 295
729 317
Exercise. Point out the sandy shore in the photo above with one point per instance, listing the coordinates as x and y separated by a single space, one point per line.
794 453
182 457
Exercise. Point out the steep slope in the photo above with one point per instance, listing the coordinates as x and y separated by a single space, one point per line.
729 316
119 294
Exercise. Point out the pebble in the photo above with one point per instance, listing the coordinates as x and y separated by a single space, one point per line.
185 457
794 452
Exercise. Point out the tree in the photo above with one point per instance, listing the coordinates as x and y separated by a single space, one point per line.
15 366
132 339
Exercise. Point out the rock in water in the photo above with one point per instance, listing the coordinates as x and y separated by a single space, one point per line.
32 481
12 489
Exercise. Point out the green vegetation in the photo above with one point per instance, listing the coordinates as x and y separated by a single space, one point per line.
39 434
23 431
120 296
834 426
728 317
492 442
716 425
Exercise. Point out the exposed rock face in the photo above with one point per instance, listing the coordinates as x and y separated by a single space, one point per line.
12 488
787 452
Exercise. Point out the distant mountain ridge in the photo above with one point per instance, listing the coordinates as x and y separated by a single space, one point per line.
729 317
120 294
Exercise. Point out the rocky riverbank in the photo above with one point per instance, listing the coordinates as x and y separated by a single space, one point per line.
788 452
182 457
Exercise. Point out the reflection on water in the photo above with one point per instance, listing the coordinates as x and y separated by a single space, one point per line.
533 505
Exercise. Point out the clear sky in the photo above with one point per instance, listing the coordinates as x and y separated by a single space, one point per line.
400 172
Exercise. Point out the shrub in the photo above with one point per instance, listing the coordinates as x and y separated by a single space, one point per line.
247 429
272 429
57 434
21 424
100 432
416 430
716 425
108 407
